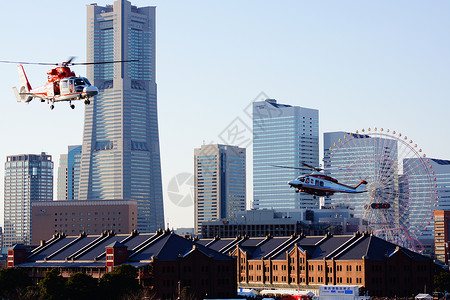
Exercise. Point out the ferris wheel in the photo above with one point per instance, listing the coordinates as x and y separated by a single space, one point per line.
400 198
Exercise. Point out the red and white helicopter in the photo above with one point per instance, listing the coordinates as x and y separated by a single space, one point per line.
322 185
61 85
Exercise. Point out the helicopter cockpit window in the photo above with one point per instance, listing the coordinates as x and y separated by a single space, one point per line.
79 81
321 183
302 179
87 81
307 180
63 84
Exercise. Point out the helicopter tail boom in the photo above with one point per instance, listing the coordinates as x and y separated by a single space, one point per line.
360 187
22 95
23 78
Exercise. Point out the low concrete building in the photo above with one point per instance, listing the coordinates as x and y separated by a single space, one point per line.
284 222
75 217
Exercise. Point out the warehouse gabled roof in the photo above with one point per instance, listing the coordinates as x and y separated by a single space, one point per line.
89 251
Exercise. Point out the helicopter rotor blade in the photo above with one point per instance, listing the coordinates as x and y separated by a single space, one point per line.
311 167
102 62
286 167
28 63
66 63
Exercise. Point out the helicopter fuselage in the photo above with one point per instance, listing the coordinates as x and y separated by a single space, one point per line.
66 89
59 87
319 184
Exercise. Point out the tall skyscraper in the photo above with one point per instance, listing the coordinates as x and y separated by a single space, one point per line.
28 178
68 180
283 135
219 183
120 157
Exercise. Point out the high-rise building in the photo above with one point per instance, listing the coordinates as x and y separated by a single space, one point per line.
28 178
219 183
421 216
120 156
442 235
69 174
288 136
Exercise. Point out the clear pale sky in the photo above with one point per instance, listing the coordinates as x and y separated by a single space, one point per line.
361 63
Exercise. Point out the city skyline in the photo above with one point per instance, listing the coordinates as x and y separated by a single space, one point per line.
381 63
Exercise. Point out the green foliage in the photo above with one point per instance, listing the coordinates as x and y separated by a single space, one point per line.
32 293
53 286
442 281
121 281
13 283
187 294
81 286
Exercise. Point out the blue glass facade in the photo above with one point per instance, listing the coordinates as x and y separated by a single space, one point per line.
220 186
28 178
282 135
121 156
421 216
69 174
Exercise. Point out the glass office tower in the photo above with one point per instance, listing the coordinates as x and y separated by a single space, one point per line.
283 135
120 156
219 183
69 174
28 178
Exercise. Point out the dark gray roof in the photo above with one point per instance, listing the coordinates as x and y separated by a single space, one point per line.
88 251
137 240
328 245
53 248
268 246
204 242
342 247
310 240
172 246
18 247
116 244
221 243
252 242
101 247
72 249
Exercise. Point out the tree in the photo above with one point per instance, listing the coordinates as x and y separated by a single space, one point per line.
81 286
187 293
13 283
442 281
122 280
53 286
